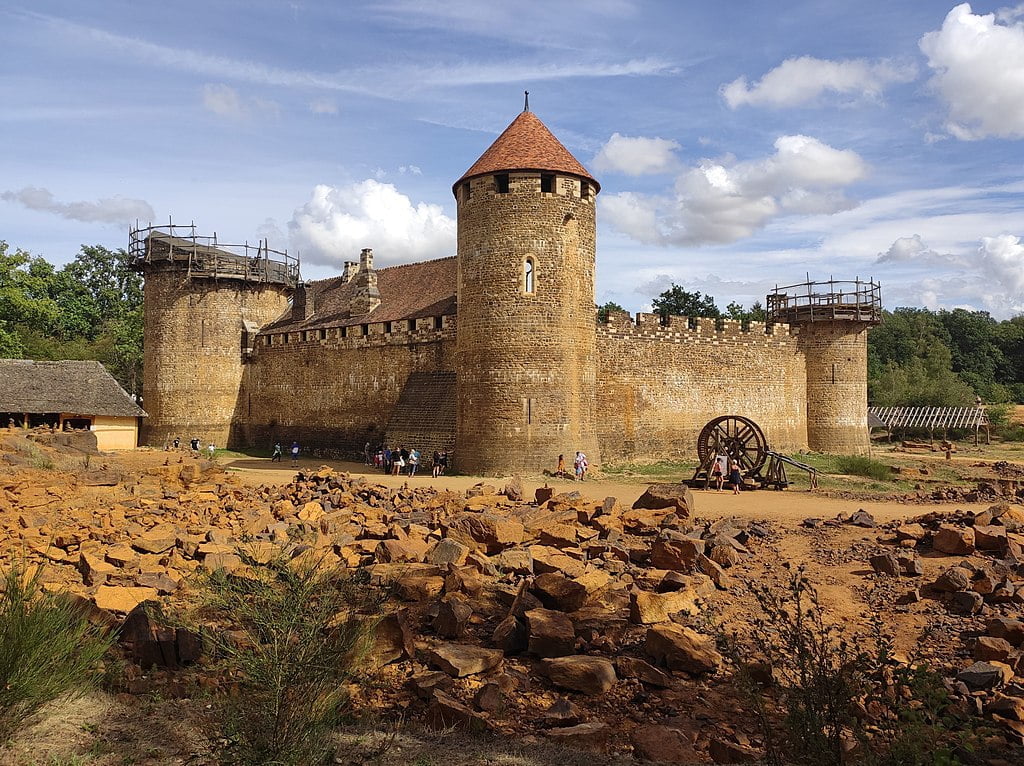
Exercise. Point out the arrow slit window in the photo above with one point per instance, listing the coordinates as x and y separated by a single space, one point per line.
528 276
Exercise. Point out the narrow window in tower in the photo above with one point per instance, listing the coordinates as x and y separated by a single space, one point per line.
412 325
501 183
547 183
438 323
584 190
467 192
528 277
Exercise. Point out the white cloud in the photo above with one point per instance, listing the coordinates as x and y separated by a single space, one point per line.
799 80
337 222
391 81
323 106
723 201
978 66
225 101
1001 260
108 210
912 249
411 169
636 156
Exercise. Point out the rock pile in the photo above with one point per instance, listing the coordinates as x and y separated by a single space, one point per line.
551 617
984 583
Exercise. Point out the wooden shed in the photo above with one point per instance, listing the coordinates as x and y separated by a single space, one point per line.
69 395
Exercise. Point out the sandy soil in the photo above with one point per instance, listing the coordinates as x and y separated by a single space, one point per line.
788 507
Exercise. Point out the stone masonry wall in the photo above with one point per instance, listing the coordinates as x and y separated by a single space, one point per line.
526 360
837 386
193 358
330 393
658 385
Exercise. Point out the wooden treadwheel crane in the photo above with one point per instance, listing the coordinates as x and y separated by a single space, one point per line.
743 441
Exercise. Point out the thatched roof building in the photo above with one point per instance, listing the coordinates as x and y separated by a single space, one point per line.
68 394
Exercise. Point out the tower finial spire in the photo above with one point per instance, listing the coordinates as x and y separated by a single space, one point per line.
526 104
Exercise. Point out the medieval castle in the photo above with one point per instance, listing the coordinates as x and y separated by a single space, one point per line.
495 354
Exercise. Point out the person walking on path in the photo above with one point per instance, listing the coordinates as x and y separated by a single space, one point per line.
414 461
210 448
436 471
580 466
276 457
366 454
734 477
295 453
560 471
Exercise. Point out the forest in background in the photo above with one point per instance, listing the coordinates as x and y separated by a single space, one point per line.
91 308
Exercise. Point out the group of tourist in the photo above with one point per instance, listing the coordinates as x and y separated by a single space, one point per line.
724 470
293 451
403 461
580 466
195 446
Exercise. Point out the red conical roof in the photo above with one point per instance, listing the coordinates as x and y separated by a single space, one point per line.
527 144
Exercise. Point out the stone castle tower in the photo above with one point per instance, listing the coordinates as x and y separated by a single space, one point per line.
832 320
204 304
525 345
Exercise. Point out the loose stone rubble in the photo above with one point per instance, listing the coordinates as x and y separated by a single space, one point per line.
574 620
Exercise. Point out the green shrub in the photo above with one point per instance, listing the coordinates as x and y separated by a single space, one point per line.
47 648
858 465
293 637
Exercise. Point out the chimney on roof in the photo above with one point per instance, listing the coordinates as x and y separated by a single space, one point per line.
349 271
302 303
367 296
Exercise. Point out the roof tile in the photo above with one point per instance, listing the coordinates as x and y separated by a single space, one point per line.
526 144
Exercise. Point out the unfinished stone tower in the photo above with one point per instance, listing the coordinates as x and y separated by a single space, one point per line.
525 343
832 321
204 304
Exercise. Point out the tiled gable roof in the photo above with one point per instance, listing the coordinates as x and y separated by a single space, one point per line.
79 387
527 144
411 291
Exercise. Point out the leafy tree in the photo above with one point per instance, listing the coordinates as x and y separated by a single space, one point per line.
25 286
606 309
678 302
89 309
925 380
755 313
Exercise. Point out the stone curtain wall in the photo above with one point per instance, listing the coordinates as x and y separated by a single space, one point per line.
424 416
658 385
837 386
192 359
526 362
334 394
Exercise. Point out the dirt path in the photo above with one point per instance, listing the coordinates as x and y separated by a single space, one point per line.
790 507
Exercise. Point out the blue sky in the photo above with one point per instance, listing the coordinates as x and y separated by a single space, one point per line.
739 145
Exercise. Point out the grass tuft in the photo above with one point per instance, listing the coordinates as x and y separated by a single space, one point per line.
47 649
293 638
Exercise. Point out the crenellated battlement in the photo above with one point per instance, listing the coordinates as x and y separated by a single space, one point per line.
368 335
696 330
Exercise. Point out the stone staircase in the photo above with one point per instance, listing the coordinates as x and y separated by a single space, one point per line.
424 417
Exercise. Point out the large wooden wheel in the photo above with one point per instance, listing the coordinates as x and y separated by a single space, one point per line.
738 437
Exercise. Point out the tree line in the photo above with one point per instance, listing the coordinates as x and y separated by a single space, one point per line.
916 356
90 308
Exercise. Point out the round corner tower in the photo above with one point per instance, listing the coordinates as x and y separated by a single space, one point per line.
203 305
526 331
832 320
